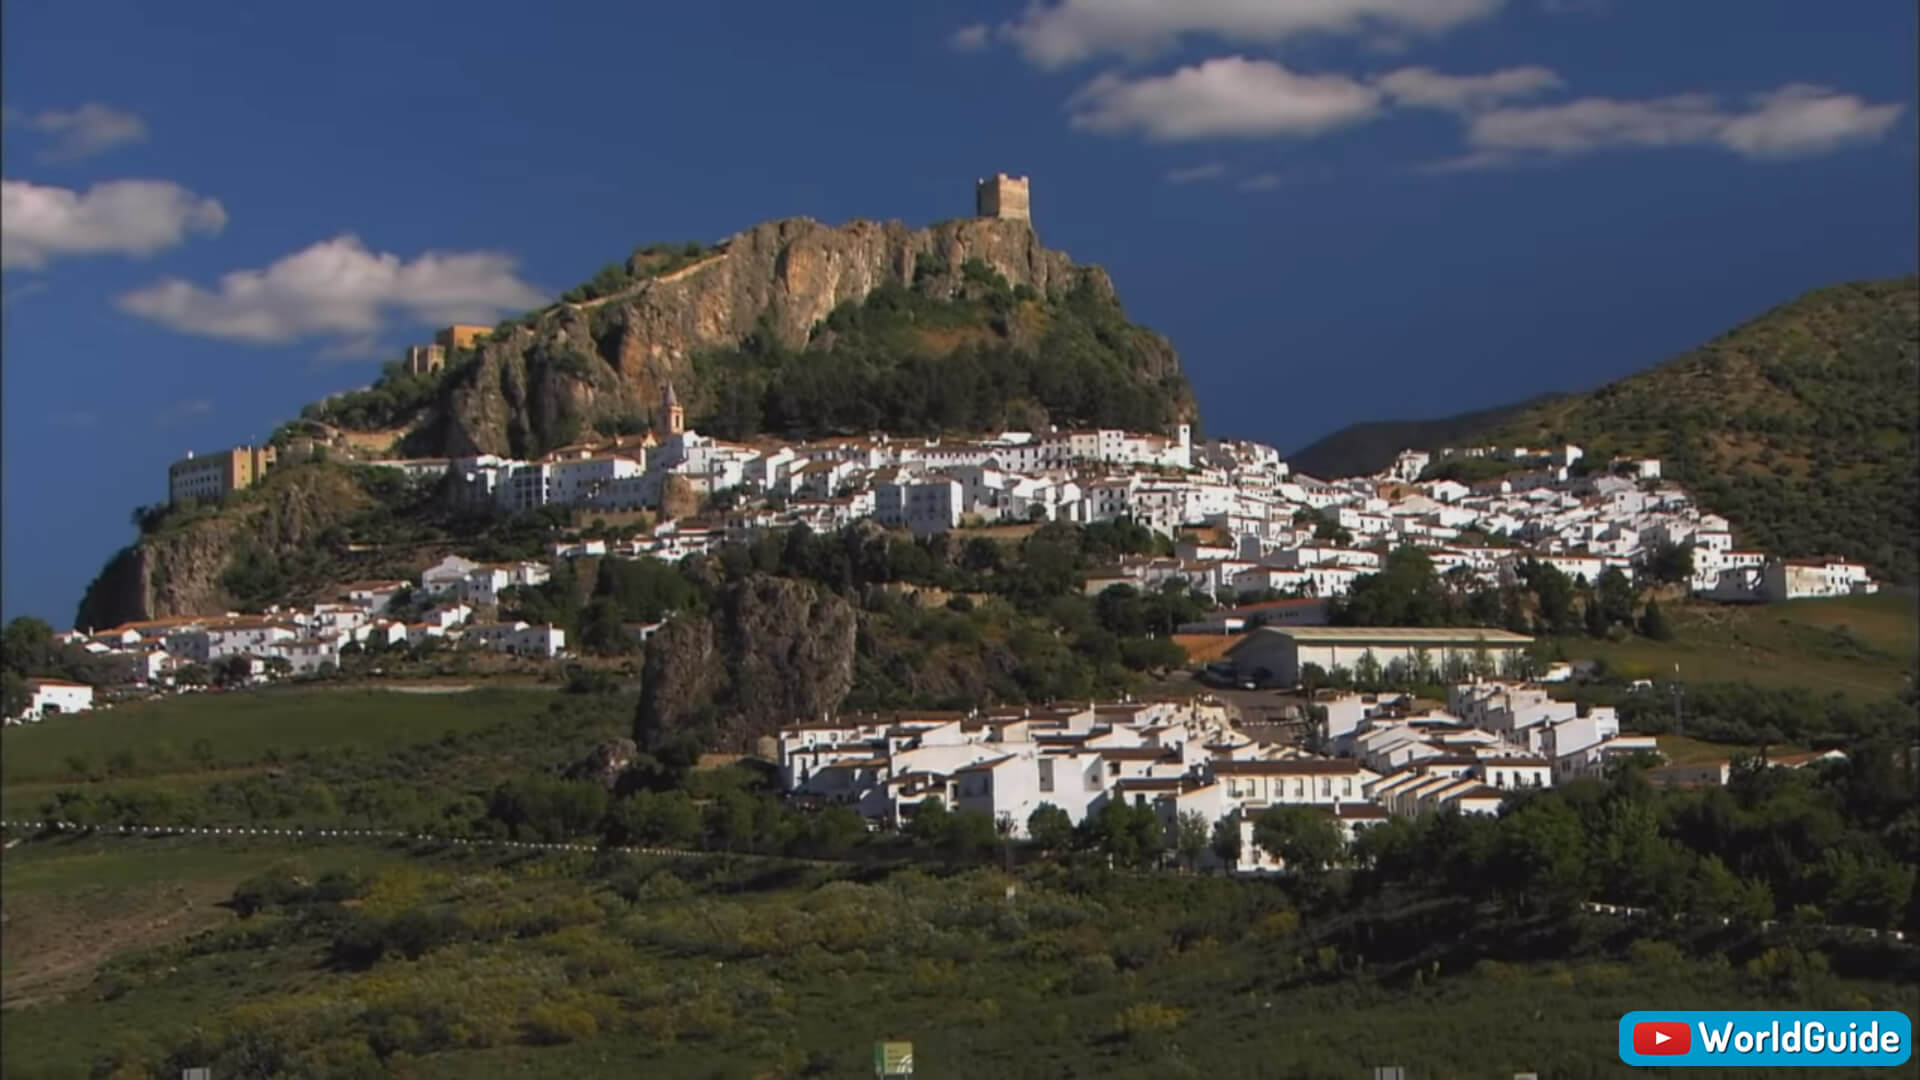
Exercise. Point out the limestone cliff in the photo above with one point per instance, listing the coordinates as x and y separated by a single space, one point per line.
607 361
181 568
773 649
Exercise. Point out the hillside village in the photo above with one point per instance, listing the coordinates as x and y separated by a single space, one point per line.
1244 529
1368 758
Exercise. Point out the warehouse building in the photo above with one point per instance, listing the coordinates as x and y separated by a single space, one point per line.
1274 655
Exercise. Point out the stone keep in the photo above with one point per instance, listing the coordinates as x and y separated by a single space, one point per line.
1002 196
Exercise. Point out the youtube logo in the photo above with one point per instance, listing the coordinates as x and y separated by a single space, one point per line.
1662 1037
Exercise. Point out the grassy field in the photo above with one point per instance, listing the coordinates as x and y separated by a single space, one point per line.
1862 646
72 903
248 728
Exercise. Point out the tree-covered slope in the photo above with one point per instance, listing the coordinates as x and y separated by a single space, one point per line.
1802 426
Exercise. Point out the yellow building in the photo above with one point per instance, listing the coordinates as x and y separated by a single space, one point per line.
216 476
1003 196
460 336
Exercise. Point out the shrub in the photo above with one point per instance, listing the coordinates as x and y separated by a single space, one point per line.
1147 1018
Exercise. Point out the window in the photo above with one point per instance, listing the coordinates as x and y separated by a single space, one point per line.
1299 789
1326 785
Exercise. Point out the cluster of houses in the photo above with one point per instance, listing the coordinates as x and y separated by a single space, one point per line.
290 641
1371 758
1244 524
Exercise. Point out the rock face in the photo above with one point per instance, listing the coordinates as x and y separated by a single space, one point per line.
774 650
178 571
610 360
604 763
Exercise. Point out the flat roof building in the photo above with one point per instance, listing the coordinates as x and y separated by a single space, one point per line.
1275 655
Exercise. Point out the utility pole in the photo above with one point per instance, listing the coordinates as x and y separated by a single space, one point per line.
1677 691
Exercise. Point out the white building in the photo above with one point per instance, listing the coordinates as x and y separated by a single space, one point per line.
53 697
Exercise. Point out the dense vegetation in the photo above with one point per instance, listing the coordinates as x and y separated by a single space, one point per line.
986 358
1407 591
1801 426
1008 621
468 963
394 400
652 261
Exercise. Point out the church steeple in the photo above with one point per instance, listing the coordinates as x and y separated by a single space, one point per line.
676 416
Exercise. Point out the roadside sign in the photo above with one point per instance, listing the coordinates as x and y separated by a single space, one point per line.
892 1059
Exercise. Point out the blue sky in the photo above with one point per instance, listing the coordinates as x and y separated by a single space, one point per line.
1339 210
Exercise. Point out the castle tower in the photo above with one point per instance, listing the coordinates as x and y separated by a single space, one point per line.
676 416
1003 196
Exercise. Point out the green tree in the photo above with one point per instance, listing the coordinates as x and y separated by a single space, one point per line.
1616 596
1670 563
1050 827
1305 838
14 695
1192 835
1653 622
1226 841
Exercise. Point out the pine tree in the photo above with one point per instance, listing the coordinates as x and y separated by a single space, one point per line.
1654 624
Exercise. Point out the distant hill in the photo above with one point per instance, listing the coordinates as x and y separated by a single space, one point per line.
1365 449
1801 426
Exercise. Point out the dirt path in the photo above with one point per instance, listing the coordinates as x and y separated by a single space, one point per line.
53 945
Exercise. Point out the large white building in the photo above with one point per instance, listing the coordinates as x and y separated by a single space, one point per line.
1275 655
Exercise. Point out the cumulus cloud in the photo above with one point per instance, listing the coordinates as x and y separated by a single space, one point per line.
83 132
121 217
1801 119
1420 87
969 38
337 287
1193 174
1227 97
1057 34
1792 121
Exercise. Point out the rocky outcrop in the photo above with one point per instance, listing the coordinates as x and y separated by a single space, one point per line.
774 650
605 763
610 361
178 570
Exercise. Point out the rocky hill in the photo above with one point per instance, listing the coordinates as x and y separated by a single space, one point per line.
773 649
796 328
790 328
1802 426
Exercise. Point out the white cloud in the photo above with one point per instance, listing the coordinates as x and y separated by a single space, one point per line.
1800 119
969 38
124 217
1794 120
1212 170
1265 181
1227 97
1055 34
337 287
1419 87
85 131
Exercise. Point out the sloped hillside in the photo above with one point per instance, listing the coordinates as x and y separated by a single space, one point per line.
1802 426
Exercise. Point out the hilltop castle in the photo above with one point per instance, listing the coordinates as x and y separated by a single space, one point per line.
1002 196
